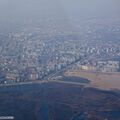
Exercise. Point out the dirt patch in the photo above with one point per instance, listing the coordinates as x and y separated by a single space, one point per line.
98 79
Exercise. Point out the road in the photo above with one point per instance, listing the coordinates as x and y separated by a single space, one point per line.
48 78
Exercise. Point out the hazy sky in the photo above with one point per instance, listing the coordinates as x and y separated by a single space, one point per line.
24 10
91 8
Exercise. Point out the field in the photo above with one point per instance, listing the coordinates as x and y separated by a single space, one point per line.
98 79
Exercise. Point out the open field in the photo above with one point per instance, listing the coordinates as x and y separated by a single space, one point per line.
98 79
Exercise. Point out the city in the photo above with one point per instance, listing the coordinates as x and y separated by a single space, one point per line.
32 55
59 60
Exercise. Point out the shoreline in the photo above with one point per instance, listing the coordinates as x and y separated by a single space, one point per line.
98 80
25 83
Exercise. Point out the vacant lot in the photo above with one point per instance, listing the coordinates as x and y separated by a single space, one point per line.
98 79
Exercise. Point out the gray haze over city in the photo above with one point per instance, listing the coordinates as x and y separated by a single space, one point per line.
39 10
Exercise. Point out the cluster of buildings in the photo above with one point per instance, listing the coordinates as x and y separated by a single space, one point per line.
30 55
101 66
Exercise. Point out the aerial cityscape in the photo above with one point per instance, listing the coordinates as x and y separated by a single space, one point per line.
32 55
59 60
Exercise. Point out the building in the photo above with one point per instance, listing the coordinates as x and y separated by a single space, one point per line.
31 74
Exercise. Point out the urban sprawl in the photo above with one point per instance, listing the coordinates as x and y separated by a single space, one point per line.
32 54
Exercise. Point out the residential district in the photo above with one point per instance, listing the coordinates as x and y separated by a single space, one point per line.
32 54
